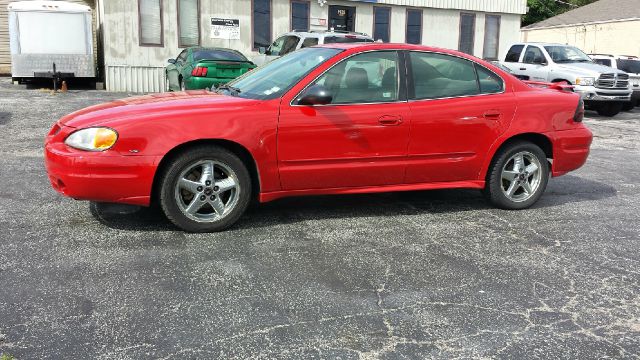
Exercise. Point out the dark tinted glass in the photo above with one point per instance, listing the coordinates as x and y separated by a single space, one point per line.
261 23
414 26
514 53
300 16
381 16
467 33
605 62
441 76
309 42
533 55
630 66
211 54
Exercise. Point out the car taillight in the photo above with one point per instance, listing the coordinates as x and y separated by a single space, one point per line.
579 115
199 71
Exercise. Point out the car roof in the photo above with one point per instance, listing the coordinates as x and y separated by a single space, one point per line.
542 44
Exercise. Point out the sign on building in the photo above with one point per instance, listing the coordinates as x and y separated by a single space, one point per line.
225 29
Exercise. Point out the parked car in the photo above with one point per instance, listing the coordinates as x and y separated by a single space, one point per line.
204 68
628 64
317 122
603 89
296 39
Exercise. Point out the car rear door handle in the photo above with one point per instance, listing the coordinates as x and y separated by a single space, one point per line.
390 120
523 68
492 114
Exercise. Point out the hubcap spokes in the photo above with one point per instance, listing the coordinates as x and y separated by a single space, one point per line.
207 191
521 176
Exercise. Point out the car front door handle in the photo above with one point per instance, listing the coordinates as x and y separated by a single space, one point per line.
523 68
390 120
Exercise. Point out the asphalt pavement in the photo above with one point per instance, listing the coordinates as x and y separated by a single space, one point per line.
432 274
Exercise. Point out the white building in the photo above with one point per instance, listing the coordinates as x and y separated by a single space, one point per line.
139 36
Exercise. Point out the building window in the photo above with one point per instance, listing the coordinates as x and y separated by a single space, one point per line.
491 37
261 23
300 15
467 32
381 23
150 22
414 26
188 23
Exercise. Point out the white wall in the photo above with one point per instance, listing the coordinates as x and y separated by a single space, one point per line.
617 38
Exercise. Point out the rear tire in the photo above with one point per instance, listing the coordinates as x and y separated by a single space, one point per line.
517 177
205 189
609 109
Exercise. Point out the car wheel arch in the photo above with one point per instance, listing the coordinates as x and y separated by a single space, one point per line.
239 150
538 139
559 80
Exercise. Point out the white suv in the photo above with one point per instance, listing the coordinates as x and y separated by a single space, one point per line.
603 89
295 40
628 64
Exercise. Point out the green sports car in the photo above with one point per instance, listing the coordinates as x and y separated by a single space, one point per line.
202 68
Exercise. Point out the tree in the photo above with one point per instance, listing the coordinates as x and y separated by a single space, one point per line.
543 9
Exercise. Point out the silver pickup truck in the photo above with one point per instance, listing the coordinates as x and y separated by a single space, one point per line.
603 89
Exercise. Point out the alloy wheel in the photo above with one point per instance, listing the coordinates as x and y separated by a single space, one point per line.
521 176
207 191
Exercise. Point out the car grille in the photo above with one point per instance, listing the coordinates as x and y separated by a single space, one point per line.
613 81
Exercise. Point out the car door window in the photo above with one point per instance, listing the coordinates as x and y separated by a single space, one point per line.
533 55
283 45
441 76
490 83
514 53
309 42
365 78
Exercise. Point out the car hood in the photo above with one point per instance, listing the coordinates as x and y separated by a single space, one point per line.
155 105
589 69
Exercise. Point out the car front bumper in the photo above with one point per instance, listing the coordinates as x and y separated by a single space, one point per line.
591 93
100 176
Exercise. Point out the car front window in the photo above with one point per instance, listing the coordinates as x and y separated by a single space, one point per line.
567 54
272 80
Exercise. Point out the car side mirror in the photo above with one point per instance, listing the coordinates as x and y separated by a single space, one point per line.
262 50
316 95
171 61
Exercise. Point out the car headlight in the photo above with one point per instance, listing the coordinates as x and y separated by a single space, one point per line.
92 139
585 81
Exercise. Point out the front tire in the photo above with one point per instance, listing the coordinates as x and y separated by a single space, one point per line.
205 189
517 177
628 106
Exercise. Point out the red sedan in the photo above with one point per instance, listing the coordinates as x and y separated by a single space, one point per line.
335 119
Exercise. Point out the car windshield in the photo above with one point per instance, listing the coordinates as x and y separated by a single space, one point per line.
630 66
272 80
567 54
217 54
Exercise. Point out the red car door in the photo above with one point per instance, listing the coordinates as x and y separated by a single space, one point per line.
358 139
458 109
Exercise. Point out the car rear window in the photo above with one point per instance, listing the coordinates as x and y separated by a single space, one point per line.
630 66
217 54
344 39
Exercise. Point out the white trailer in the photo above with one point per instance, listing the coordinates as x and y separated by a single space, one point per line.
50 39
